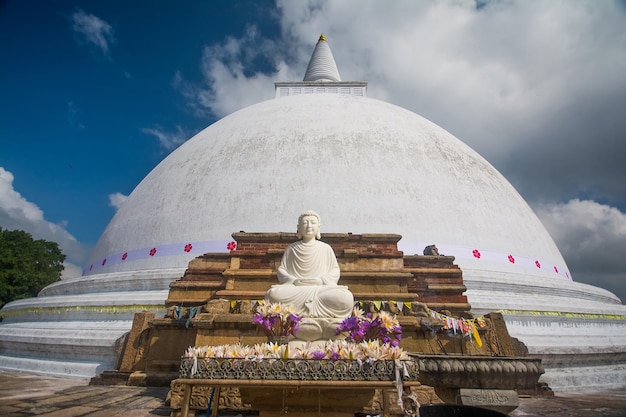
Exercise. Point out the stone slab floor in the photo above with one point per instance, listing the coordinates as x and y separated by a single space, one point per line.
31 395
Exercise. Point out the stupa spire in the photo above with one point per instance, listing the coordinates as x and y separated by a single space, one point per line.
322 77
322 66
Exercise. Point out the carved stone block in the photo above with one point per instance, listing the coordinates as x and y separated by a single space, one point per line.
503 401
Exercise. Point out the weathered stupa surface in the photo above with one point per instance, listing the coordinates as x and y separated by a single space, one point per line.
365 165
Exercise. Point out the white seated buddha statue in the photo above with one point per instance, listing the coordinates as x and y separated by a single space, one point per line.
308 276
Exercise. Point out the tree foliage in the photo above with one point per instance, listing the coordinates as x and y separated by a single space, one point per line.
26 265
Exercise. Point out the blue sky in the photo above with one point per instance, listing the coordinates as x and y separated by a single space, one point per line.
95 93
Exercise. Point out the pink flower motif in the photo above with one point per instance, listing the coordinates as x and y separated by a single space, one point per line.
188 247
152 251
124 256
556 269
104 261
511 259
231 246
476 253
537 264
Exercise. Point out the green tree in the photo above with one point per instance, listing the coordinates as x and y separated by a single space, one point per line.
26 265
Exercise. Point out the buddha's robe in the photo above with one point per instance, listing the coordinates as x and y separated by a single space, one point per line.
308 276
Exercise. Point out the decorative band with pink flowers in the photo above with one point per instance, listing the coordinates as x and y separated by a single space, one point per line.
156 251
477 254
459 252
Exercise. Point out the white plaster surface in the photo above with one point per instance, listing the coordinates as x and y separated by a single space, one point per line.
322 66
366 166
75 348
56 367
141 280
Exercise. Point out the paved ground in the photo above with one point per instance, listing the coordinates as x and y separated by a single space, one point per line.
582 404
29 395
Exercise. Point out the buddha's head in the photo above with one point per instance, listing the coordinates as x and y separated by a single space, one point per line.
309 222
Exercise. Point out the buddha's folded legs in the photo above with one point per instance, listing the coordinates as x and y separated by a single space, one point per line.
324 301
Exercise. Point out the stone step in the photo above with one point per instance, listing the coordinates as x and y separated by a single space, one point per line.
240 295
361 296
434 271
268 273
78 341
250 273
378 275
456 288
110 378
183 285
453 307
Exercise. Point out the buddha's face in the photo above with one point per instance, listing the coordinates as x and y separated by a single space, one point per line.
309 227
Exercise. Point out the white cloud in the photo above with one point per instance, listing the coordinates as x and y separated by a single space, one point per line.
592 239
487 75
168 140
73 115
116 200
227 84
17 213
93 30
71 271
14 206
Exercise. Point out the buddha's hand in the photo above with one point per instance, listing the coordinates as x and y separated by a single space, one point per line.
308 281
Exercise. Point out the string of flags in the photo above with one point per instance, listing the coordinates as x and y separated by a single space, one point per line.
463 327
179 313
453 325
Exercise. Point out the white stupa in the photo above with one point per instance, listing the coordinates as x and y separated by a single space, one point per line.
366 166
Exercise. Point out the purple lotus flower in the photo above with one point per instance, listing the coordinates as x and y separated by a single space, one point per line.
371 326
357 335
350 323
318 354
276 320
258 319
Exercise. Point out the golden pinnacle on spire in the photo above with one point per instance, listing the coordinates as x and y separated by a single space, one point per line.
322 66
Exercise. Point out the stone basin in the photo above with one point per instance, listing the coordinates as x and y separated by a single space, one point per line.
486 372
298 369
490 382
309 387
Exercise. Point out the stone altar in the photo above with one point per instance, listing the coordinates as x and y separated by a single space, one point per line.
224 287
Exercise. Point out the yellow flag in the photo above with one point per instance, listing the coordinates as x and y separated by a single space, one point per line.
479 342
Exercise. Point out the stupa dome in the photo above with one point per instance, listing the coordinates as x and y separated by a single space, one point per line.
366 166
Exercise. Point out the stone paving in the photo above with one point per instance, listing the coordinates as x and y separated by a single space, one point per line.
610 403
31 395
